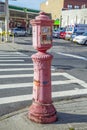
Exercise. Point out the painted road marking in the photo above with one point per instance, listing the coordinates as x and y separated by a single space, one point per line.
12 99
20 53
11 60
26 75
30 84
13 57
16 76
12 53
23 75
19 69
16 69
61 94
74 56
80 82
69 93
8 55
72 78
15 64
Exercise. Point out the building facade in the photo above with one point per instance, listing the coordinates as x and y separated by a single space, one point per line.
52 6
76 16
74 4
55 7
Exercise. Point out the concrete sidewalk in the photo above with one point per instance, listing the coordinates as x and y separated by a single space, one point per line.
72 115
10 46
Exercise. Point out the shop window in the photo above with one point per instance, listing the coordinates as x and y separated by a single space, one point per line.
83 6
69 6
76 7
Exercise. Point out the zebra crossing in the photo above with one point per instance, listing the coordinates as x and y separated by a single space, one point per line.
16 80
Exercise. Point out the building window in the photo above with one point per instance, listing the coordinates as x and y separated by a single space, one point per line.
69 6
83 6
76 7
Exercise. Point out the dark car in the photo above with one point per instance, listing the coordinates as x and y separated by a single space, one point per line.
56 33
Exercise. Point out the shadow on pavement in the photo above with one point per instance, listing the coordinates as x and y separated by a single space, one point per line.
24 43
64 67
64 118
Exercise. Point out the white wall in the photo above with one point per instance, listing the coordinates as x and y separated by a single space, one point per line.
74 16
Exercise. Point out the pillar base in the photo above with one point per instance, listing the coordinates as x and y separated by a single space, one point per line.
42 113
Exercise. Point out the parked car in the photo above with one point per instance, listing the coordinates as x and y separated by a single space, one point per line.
68 36
74 35
56 33
70 29
81 39
19 31
62 34
76 28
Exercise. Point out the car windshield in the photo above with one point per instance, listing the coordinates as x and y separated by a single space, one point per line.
77 33
85 34
59 29
63 30
69 29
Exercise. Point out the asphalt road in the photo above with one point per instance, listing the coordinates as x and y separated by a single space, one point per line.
69 74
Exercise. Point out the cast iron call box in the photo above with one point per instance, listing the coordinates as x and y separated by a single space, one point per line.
42 32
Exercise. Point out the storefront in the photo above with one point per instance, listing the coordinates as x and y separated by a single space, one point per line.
18 16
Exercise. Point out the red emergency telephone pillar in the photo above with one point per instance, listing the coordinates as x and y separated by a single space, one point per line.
42 109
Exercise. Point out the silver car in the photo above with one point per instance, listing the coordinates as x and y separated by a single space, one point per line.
19 32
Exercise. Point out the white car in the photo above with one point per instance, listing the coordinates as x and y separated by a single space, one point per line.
81 39
75 34
67 36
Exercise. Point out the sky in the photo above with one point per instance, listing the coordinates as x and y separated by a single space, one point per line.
33 4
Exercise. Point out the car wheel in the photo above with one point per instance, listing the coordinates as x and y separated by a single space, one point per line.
85 42
58 37
26 34
15 34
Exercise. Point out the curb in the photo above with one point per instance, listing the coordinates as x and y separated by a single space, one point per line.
13 113
27 107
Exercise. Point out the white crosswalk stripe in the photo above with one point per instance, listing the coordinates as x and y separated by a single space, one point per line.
16 69
13 57
9 58
15 64
25 75
20 98
22 85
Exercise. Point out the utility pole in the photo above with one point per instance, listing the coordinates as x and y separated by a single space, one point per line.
6 20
